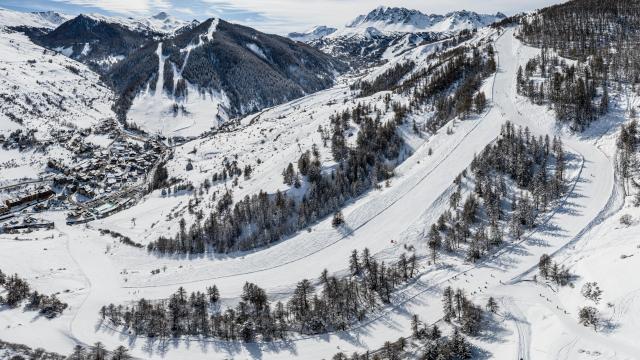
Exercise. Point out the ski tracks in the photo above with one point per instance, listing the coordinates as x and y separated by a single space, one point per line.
523 328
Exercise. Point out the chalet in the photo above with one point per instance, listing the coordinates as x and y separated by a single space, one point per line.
29 225
41 193
86 191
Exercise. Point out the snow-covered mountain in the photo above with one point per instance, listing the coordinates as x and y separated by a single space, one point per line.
312 34
42 19
393 20
391 30
161 23
397 19
165 23
97 41
464 191
215 70
197 74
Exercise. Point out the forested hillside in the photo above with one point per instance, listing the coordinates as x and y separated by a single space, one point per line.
605 32
450 84
253 70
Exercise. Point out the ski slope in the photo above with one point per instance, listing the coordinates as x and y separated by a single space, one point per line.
400 213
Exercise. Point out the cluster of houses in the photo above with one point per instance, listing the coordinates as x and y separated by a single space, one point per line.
98 179
107 171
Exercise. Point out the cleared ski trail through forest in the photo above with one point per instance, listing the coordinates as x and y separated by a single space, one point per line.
593 183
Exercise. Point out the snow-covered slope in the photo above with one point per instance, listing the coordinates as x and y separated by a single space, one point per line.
44 19
314 33
161 23
88 268
394 19
43 90
400 212
368 37
194 81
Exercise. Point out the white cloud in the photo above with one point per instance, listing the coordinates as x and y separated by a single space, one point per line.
282 16
287 15
183 10
123 6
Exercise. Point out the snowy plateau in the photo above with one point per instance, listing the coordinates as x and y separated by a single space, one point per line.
406 186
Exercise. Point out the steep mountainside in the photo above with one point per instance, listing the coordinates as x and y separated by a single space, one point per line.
243 69
95 41
41 90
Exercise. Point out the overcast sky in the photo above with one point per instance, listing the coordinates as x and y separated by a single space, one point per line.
275 16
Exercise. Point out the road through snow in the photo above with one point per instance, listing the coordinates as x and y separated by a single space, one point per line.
593 185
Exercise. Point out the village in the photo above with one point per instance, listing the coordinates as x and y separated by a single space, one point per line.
98 180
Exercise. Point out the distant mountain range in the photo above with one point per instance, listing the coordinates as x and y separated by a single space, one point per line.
385 31
312 34
42 19
161 67
391 20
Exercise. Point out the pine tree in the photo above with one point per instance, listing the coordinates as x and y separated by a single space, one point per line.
447 303
492 305
338 219
98 352
434 243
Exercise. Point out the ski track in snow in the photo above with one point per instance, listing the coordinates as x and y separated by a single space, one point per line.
501 106
591 198
522 327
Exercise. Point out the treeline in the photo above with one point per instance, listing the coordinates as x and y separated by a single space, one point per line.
387 81
533 165
334 304
97 351
627 162
14 351
262 218
457 308
18 290
578 93
427 342
550 270
605 32
450 86
432 344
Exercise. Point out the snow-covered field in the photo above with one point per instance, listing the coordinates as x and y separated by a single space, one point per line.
539 321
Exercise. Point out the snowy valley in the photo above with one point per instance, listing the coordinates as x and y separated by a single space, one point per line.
407 186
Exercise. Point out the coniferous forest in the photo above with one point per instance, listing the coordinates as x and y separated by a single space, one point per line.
510 184
449 88
18 290
328 304
590 30
599 38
